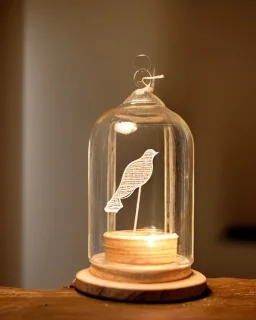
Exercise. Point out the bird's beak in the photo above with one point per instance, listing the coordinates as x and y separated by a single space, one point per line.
156 153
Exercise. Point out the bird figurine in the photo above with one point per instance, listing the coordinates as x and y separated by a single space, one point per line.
135 175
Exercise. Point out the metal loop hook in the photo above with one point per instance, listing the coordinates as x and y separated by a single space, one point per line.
138 77
142 62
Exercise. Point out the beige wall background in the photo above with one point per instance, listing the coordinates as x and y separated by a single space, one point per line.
63 63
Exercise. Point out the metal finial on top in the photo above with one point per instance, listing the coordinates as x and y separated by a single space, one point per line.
143 73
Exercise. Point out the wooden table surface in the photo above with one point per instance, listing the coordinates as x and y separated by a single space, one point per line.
228 299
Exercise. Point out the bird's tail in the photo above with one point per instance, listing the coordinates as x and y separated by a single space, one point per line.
114 205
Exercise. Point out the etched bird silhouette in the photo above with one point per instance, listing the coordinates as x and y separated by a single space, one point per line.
135 175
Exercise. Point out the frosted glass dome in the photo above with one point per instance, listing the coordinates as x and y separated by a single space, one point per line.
141 176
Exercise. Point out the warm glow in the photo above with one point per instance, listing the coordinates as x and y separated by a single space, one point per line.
151 241
125 127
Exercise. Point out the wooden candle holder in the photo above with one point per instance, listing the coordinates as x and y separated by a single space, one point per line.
142 247
143 263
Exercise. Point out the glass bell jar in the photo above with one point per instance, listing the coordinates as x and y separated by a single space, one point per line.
141 191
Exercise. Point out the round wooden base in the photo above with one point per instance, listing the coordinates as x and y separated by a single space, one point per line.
132 273
184 289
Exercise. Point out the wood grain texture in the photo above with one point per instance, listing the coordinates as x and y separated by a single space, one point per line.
188 288
142 247
104 269
233 299
145 276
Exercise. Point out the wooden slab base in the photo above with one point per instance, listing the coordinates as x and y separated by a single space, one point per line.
184 289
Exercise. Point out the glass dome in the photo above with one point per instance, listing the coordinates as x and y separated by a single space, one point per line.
141 192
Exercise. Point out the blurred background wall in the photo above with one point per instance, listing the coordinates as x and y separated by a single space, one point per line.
64 62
